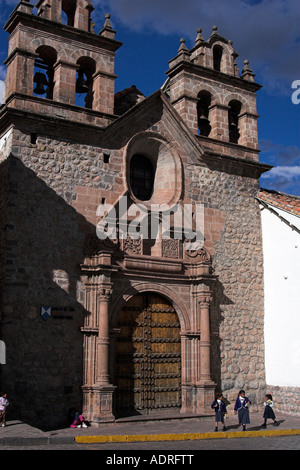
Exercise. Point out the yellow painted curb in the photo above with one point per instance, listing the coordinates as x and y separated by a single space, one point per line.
182 437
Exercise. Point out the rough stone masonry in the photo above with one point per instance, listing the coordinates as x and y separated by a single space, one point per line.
60 161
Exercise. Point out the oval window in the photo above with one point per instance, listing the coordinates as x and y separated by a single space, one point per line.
141 177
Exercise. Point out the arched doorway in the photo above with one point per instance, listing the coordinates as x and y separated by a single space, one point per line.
148 356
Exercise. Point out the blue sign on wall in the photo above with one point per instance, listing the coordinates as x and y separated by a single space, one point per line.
46 312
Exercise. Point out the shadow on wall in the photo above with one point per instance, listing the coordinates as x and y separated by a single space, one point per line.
217 318
43 241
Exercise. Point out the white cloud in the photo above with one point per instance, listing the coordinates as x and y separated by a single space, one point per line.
2 77
285 172
266 32
279 154
1 91
284 178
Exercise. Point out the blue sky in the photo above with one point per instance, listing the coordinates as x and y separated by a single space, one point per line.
266 32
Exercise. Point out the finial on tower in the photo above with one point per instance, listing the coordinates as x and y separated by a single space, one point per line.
107 23
182 47
107 30
199 37
247 73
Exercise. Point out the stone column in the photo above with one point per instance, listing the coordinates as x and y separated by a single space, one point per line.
102 370
218 117
82 16
65 82
50 10
104 92
248 130
103 389
186 106
20 73
97 388
204 302
205 385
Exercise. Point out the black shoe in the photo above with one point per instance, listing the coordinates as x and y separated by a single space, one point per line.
264 425
216 429
276 423
224 428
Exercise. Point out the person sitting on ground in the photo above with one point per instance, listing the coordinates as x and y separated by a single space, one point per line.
76 420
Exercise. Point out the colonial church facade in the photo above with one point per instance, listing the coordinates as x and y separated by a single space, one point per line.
121 325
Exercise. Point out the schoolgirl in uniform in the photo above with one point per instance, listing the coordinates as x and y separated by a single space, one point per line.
220 410
269 412
242 408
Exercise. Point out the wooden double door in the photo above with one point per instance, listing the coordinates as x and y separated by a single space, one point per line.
148 356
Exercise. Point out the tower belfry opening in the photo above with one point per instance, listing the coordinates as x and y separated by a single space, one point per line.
44 72
84 82
68 8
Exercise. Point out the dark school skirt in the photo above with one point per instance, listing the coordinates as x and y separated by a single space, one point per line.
269 413
219 417
243 414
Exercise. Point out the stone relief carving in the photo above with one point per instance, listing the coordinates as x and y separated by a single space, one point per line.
200 255
133 245
170 248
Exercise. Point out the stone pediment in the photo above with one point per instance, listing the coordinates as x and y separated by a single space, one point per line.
154 114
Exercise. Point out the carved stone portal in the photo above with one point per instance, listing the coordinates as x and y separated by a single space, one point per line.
151 357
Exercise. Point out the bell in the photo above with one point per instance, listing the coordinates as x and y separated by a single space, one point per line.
39 89
233 119
81 86
41 81
203 120
234 134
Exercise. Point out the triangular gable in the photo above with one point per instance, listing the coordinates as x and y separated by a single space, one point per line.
152 113
156 113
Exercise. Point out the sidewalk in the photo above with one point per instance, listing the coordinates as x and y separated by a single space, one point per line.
141 429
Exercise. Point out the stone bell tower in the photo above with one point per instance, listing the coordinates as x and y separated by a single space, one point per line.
56 55
208 93
59 96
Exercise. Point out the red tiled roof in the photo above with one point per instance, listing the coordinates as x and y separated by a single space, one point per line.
282 201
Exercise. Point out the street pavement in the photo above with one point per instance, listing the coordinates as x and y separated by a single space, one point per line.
143 430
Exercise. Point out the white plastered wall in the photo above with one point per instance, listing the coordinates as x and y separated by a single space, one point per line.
281 245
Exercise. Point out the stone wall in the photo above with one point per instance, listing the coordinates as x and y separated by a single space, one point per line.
234 239
44 247
56 185
3 226
286 399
